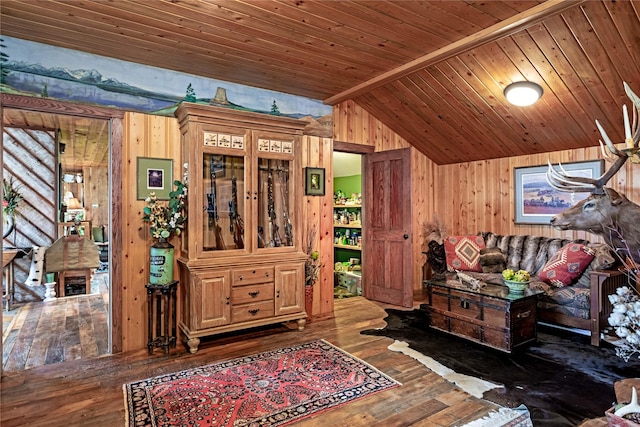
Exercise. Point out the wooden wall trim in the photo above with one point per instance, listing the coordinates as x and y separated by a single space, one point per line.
317 212
115 237
144 135
350 147
52 106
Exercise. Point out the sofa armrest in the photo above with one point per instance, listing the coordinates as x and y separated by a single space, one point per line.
603 284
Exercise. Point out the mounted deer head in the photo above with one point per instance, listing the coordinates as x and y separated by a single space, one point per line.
605 212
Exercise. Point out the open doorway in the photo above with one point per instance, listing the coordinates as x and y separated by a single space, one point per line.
61 169
347 224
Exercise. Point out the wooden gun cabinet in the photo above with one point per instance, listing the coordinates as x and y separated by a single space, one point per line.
241 260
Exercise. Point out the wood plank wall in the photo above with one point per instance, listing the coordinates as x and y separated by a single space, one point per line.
478 196
467 197
30 160
96 180
317 212
143 136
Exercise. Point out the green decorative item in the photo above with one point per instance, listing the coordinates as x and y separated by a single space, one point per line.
516 287
516 281
165 221
161 263
11 197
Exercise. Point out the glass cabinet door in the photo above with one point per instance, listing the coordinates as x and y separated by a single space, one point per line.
224 213
275 228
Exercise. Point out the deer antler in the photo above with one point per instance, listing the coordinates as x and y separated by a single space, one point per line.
630 139
577 184
562 181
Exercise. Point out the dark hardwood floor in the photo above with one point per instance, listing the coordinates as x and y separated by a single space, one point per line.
44 333
88 392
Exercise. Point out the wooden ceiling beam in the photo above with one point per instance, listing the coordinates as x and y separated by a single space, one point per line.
502 29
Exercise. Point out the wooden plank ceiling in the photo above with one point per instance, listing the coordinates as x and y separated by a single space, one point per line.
433 71
86 140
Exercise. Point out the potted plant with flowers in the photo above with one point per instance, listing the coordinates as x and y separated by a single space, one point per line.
625 316
165 221
311 271
11 197
625 319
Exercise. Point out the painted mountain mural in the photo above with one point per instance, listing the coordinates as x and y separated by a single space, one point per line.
39 70
90 86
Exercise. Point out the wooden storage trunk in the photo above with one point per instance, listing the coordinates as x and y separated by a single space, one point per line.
490 316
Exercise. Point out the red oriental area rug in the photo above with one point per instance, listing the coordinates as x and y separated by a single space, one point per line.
273 388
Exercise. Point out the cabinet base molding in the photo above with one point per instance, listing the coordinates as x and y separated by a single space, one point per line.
192 338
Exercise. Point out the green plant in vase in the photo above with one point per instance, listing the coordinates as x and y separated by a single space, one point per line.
312 264
165 221
312 267
11 198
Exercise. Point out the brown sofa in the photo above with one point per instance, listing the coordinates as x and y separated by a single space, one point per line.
582 305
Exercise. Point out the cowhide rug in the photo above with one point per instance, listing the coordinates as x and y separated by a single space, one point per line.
561 379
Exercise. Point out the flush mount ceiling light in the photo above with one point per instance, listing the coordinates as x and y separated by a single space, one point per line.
523 93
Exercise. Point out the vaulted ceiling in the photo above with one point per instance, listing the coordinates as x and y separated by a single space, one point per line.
433 71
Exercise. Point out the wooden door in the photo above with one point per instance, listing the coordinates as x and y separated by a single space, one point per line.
387 274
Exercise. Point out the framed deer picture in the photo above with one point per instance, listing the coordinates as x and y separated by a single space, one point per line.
536 201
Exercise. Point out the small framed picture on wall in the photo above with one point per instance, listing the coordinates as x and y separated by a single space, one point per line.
314 182
154 175
536 201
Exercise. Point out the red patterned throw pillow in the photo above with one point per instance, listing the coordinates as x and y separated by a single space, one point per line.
463 252
567 264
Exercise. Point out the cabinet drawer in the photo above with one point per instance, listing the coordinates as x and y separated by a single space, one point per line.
251 293
249 276
248 312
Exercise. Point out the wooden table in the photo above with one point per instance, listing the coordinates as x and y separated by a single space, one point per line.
8 255
74 282
489 315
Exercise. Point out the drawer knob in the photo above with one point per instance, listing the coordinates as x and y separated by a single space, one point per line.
266 274
253 272
254 294
228 298
464 304
239 277
254 311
